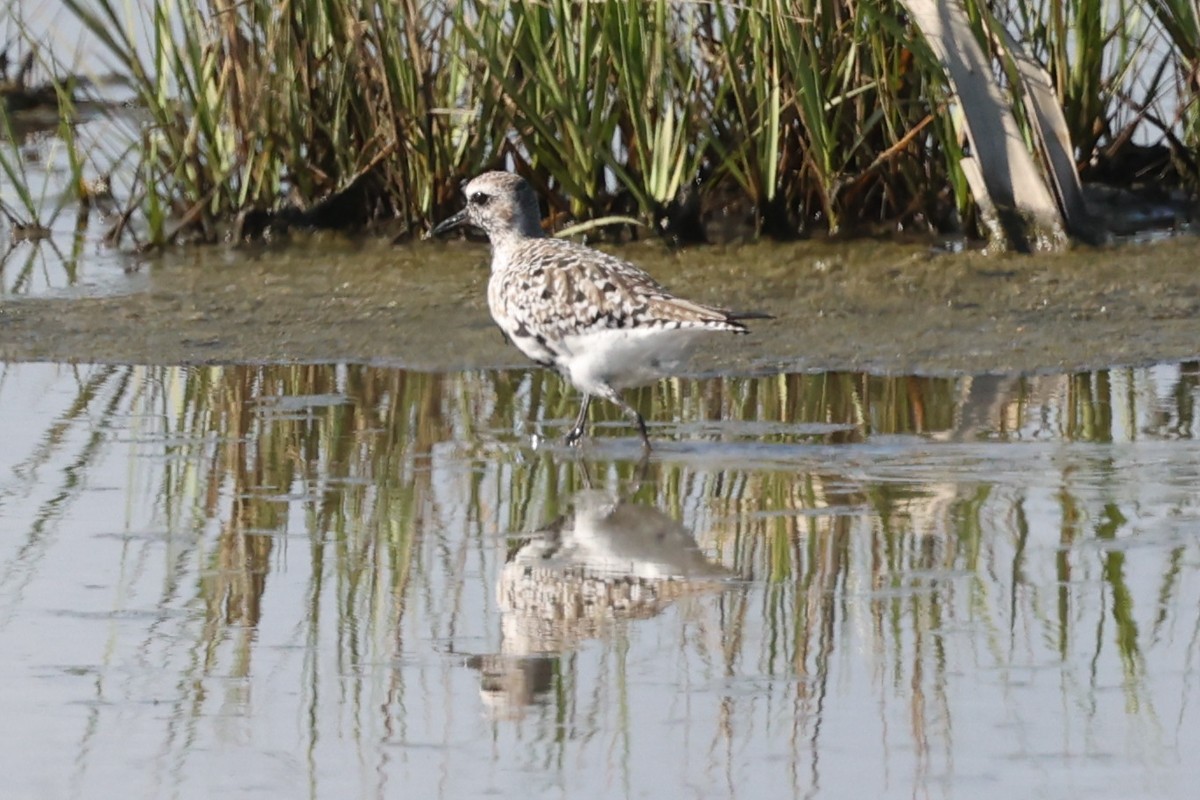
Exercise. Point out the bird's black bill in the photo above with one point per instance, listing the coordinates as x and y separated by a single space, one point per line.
449 223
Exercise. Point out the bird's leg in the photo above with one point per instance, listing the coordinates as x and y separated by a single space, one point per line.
576 432
633 414
641 424
585 474
640 474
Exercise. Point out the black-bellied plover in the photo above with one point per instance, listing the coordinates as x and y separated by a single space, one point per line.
604 324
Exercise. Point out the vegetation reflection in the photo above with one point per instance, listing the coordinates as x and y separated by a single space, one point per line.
774 513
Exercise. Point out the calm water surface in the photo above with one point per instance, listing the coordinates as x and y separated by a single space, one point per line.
343 581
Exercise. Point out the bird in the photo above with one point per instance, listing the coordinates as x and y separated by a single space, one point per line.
603 323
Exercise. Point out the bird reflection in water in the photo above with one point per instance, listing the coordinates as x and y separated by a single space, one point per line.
606 561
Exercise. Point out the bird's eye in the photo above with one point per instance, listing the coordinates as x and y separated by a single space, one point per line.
479 199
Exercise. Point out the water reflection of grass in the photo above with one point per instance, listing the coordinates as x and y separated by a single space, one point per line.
82 426
386 484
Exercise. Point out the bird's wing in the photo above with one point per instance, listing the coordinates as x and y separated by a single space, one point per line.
562 288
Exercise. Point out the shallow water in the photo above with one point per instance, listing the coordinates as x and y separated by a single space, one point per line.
347 581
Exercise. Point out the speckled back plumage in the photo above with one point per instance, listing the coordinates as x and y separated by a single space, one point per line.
548 289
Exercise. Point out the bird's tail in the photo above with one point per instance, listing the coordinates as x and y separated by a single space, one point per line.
736 319
741 316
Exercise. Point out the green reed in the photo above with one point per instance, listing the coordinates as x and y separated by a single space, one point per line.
34 202
23 208
1090 50
817 115
1180 19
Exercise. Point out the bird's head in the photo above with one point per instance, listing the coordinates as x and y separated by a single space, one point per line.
500 204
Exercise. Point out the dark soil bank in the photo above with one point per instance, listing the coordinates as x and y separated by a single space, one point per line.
859 306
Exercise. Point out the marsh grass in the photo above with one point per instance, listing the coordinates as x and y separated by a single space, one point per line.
41 162
21 208
791 117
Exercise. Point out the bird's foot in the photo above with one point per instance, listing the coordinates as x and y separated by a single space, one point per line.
574 436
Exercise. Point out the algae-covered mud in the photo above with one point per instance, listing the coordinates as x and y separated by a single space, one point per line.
874 306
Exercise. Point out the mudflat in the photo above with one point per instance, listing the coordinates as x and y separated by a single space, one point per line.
875 306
